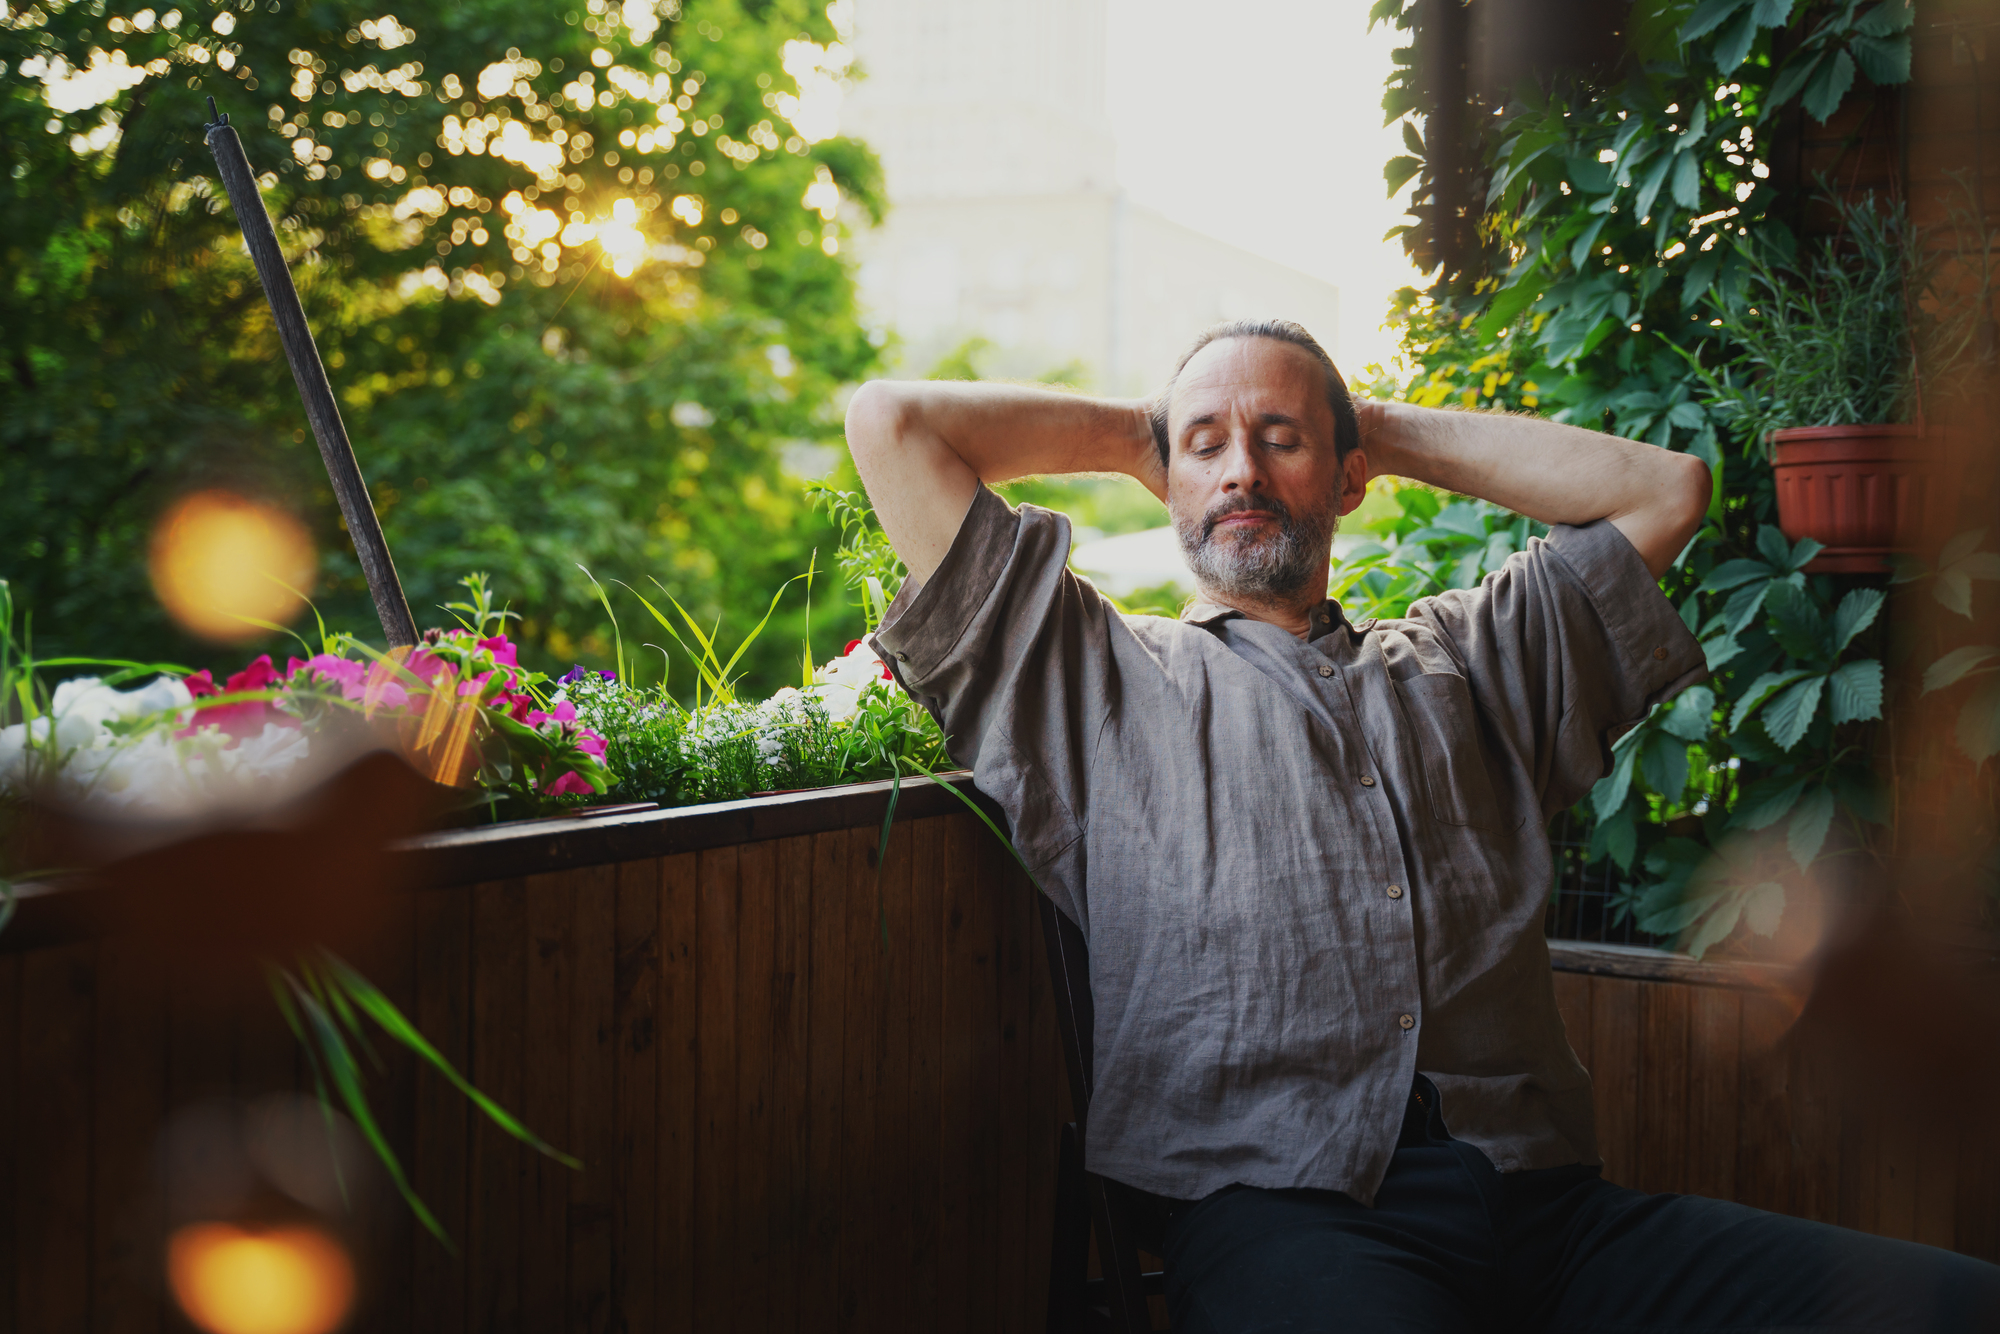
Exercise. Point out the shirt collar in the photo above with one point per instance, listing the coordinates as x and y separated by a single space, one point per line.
1326 616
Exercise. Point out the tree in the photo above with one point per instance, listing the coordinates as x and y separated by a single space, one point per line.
576 277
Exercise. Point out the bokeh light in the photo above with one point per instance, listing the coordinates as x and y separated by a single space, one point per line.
288 1280
220 562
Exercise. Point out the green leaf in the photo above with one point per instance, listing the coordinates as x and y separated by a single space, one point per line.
1885 60
1718 925
1607 795
1708 16
1396 172
1411 140
1579 253
1803 551
1961 545
1734 573
1690 612
1773 547
1688 416
1807 833
1854 691
1686 187
1763 906
1720 652
1733 47
1954 666
1764 804
1801 629
1773 13
1857 611
1980 565
1642 204
1790 713
1953 591
1978 730
1829 86
1886 19
1617 837
1699 275
1691 714
1760 690
1858 791
1664 762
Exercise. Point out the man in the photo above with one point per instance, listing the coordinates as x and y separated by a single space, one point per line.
1309 856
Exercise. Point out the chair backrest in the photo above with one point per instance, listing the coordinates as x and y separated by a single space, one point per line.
1125 1284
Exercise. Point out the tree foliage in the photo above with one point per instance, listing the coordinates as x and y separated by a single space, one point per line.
574 271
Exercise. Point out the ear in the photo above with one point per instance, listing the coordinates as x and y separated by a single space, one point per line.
1353 480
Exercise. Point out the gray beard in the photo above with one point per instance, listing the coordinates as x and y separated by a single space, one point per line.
1263 567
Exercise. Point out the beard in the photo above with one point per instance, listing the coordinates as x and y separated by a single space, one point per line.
1259 566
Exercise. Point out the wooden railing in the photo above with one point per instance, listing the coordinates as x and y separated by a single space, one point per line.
808 1092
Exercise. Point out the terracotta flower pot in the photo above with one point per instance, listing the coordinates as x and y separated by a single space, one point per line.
1864 491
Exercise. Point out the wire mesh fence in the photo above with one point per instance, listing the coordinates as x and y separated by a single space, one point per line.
1583 903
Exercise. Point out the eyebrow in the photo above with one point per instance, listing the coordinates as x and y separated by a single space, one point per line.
1263 419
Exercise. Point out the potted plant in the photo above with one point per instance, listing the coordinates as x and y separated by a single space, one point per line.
1834 347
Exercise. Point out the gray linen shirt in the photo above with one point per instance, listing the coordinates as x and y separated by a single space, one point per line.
1306 870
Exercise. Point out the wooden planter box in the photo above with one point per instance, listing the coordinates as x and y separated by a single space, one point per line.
807 1096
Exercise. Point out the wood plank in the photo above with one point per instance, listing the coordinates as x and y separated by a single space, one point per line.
441 1171
498 1164
1896 1177
1860 1166
1938 1182
982 1033
861 1079
129 1094
1042 1120
11 1182
928 847
820 1274
1572 992
593 1096
1664 1010
636 1018
1815 1162
890 1309
1012 903
1614 1072
791 1078
1714 1078
545 1073
53 1209
717 1288
390 961
757 875
680 1091
959 997
1764 1121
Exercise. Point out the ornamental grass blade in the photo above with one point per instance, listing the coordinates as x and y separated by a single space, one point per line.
984 819
617 635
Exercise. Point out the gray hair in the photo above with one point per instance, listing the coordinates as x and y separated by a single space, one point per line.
1346 426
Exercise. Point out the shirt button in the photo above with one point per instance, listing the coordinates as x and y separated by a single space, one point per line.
1660 654
1366 781
1395 891
902 657
1325 670
1408 1021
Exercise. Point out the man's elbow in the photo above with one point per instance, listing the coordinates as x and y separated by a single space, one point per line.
1688 496
878 416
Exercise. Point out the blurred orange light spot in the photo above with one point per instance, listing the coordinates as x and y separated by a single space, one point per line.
218 558
294 1280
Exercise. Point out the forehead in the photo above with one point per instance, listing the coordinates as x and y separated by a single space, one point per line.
1251 376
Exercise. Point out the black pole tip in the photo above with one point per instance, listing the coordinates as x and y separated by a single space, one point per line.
215 118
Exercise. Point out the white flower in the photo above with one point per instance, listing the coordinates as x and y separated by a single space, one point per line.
839 684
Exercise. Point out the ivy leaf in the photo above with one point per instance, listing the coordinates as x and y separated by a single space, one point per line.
1708 16
1854 691
1719 923
1856 613
1803 551
1806 835
1961 546
1763 805
1688 416
1700 274
1773 547
1732 573
1980 565
1956 665
1760 690
1412 140
1953 590
1687 179
1794 78
1773 13
1763 906
1886 19
1979 723
1720 652
1664 762
1753 744
1617 837
1607 795
1801 630
1580 251
1789 714
1691 612
1883 60
1858 791
1744 604
1383 9
1828 86
1690 715
1733 47
1398 170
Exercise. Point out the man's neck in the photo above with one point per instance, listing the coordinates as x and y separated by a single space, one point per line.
1293 614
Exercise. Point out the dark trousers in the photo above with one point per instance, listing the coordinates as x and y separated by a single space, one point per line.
1452 1245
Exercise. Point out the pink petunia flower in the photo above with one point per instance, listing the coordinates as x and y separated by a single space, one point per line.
569 782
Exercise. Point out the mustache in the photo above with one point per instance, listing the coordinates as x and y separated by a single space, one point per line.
1239 504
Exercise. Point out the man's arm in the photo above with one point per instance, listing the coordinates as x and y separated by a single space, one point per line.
1545 470
922 447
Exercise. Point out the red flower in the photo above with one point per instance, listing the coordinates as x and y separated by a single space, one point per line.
246 717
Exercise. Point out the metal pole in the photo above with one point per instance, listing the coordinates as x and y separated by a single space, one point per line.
321 410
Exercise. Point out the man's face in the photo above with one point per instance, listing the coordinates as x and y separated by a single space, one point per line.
1253 484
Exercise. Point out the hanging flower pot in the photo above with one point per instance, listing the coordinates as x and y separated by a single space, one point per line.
1863 491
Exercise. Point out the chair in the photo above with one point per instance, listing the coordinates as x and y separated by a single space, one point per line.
1078 1303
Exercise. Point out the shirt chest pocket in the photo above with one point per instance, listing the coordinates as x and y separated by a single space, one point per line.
1439 709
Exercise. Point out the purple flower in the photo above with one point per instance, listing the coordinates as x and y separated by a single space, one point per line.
578 672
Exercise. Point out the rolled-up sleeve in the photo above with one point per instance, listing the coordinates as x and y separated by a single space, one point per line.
1565 647
1007 648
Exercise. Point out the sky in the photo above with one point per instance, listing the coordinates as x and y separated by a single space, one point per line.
1259 122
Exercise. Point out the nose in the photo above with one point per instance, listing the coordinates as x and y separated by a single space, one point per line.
1243 467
